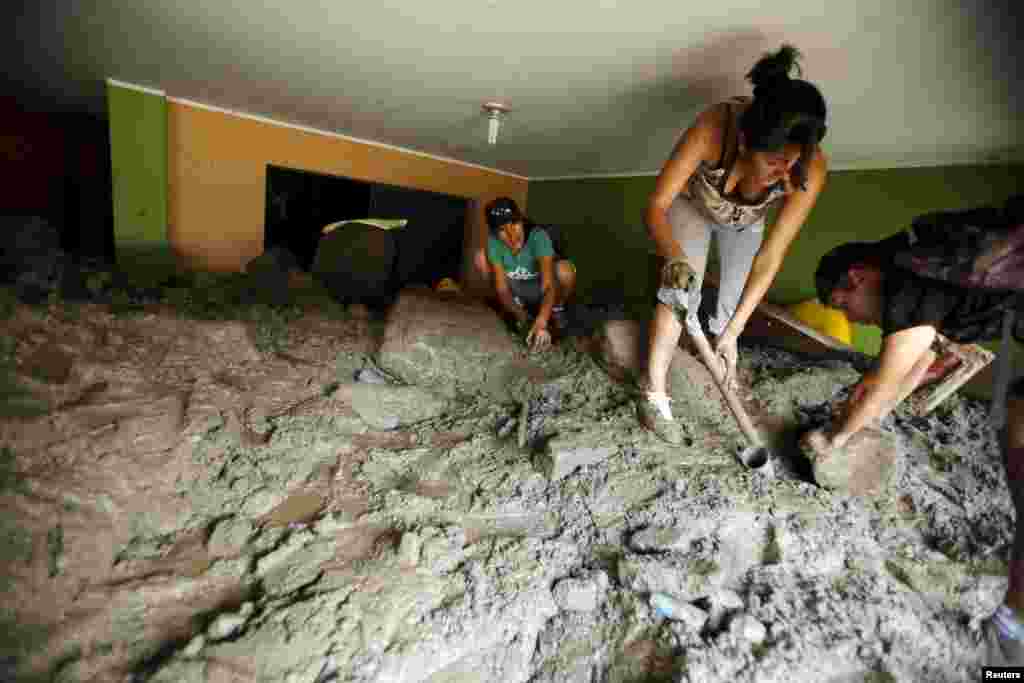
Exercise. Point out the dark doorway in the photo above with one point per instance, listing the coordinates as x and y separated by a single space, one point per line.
300 203
430 246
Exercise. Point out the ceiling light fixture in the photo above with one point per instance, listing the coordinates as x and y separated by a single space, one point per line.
495 111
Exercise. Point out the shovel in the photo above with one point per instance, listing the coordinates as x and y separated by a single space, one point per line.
756 454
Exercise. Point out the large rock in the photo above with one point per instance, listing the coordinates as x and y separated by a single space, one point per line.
447 344
564 453
356 263
584 593
863 466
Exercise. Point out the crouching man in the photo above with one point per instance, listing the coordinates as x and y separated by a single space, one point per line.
862 280
529 276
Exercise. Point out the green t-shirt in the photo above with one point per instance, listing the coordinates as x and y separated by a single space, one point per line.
526 264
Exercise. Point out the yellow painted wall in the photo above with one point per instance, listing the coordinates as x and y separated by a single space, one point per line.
217 180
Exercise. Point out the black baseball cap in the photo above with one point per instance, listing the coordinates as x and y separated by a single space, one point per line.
501 211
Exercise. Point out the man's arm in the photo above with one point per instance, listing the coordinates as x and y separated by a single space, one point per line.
550 293
505 298
902 364
538 337
917 376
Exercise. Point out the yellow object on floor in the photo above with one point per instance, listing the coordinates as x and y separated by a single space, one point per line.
824 319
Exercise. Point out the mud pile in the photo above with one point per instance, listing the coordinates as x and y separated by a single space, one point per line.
182 504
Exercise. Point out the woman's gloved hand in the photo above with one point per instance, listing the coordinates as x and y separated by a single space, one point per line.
677 281
677 274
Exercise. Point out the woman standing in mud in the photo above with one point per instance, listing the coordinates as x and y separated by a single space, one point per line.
738 159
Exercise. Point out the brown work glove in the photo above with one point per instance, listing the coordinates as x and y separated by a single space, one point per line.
677 274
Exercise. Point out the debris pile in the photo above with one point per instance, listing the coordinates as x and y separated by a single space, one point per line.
185 505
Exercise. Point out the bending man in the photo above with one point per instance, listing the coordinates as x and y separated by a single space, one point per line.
861 279
527 277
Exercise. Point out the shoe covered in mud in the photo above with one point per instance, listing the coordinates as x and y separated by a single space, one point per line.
1001 650
655 413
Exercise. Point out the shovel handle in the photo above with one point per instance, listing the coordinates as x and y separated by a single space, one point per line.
746 426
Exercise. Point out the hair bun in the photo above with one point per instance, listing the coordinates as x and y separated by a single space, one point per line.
772 70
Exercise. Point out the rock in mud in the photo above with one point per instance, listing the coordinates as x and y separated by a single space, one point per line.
692 616
446 344
748 628
387 407
581 594
727 599
665 538
225 626
564 453
677 610
261 501
862 467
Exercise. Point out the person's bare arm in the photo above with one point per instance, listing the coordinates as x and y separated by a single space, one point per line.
917 375
904 360
505 298
773 250
539 337
692 148
550 292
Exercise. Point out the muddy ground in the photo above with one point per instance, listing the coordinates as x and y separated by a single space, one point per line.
220 500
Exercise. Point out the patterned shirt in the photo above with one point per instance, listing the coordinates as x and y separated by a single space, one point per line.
964 315
707 187
524 265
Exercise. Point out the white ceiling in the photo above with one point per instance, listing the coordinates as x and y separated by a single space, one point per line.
595 86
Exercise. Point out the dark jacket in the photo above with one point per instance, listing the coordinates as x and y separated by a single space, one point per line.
963 315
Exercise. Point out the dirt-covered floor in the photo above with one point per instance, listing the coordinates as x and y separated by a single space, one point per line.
220 500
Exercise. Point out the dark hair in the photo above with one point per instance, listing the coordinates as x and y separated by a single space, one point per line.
500 212
834 267
784 110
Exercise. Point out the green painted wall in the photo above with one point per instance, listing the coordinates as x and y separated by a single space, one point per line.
602 225
602 219
138 151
